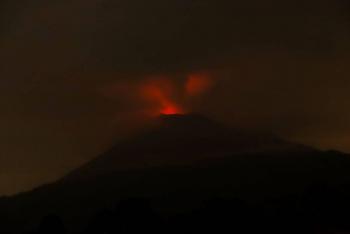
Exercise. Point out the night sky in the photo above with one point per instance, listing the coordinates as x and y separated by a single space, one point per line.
73 72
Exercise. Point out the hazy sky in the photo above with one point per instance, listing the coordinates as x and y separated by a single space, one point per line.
278 66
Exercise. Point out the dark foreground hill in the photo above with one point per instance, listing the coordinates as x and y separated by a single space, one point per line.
202 170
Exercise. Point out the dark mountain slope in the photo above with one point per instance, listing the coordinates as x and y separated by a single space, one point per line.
182 140
180 162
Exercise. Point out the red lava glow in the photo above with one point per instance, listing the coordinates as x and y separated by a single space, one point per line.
197 84
171 110
160 93
165 95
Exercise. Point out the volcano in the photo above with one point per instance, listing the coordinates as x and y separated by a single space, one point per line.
178 161
179 140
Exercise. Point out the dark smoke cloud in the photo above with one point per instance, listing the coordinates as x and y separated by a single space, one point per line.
281 67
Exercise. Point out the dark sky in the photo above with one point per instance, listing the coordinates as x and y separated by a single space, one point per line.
279 66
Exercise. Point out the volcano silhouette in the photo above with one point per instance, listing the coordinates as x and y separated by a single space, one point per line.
177 162
181 140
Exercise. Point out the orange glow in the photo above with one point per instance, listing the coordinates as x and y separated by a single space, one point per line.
171 110
197 84
159 93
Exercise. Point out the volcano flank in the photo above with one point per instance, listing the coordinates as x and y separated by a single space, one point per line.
182 140
178 162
